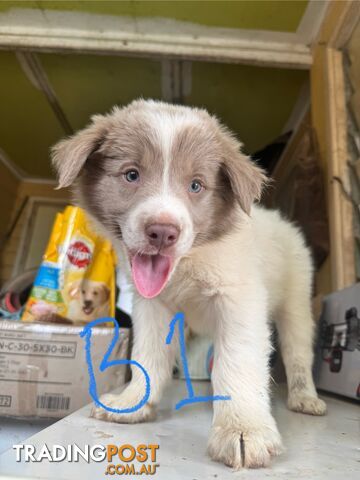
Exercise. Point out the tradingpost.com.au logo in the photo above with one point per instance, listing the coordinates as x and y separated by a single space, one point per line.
123 459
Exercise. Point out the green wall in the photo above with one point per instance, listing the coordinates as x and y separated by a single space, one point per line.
255 102
84 85
28 126
273 15
88 84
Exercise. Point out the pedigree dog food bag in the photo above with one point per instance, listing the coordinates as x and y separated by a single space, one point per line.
76 280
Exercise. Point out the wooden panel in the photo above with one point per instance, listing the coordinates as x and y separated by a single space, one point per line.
353 50
323 281
329 120
285 163
340 20
328 95
281 176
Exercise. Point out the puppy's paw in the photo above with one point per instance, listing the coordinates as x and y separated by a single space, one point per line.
305 403
244 449
125 400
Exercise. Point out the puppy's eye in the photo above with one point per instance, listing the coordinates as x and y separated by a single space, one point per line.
83 292
132 175
95 293
195 186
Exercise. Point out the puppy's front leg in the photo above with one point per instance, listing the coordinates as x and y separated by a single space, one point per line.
244 433
151 321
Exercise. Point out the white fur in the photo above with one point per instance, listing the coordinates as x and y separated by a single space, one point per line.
231 288
157 206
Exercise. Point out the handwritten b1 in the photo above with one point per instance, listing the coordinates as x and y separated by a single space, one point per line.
179 319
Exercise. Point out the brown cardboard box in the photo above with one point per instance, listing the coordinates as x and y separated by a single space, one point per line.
43 369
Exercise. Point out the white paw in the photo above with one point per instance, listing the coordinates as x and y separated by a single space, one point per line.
305 403
124 400
239 448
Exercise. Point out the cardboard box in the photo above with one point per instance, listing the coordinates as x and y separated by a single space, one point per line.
43 369
337 366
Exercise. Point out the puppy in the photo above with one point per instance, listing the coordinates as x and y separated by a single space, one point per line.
87 301
170 187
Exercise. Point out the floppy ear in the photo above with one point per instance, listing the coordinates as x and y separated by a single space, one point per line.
106 292
69 155
245 177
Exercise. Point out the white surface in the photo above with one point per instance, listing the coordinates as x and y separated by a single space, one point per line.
317 447
14 430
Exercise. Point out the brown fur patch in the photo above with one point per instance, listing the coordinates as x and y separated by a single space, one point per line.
201 149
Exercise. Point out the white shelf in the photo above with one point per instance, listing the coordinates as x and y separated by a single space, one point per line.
13 431
317 447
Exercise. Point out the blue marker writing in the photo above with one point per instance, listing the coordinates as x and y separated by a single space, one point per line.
105 363
192 398
87 332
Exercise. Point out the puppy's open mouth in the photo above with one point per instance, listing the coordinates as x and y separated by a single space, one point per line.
88 310
150 273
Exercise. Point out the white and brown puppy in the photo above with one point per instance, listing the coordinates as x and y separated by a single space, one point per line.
171 188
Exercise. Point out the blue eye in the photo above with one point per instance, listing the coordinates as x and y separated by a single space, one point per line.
195 186
132 176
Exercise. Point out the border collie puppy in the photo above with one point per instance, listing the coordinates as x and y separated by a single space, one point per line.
171 188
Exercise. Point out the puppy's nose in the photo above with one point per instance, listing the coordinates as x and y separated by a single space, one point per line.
162 235
87 303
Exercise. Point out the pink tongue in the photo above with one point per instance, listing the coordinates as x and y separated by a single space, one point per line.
150 273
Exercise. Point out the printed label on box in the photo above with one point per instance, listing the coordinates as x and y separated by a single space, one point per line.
43 371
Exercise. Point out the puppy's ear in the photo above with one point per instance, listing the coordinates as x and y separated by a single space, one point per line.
69 155
106 292
245 177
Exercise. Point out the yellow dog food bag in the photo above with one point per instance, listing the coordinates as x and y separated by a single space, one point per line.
76 279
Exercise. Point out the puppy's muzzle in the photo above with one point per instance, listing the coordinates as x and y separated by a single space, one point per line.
161 235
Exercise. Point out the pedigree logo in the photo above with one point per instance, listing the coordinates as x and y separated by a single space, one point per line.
123 459
79 254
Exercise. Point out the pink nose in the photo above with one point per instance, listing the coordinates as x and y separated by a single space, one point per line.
162 235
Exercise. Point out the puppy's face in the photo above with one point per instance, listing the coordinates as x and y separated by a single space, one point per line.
162 178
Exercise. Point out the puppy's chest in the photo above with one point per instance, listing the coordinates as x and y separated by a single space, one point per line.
192 290
197 278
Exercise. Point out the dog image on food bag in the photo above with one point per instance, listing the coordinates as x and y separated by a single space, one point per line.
88 300
171 188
